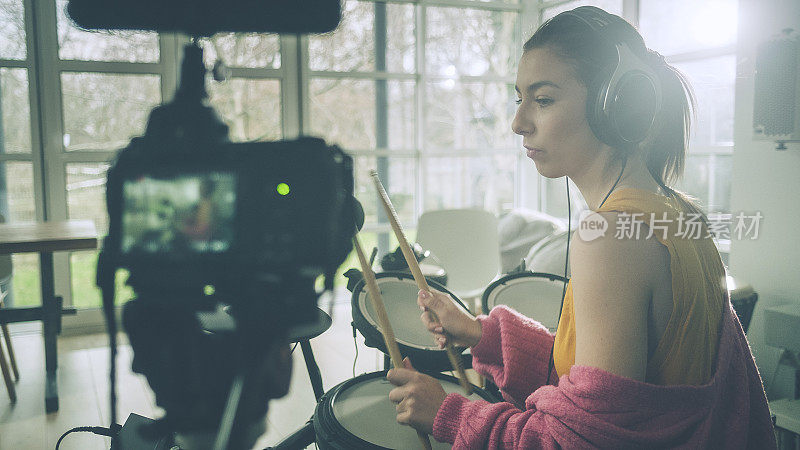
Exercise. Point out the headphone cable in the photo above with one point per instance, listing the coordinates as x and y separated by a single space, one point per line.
551 361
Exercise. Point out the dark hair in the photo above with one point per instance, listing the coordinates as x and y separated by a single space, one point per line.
593 57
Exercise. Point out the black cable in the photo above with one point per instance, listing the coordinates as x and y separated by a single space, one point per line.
102 431
551 362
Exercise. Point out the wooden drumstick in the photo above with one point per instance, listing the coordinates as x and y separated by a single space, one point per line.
383 320
413 265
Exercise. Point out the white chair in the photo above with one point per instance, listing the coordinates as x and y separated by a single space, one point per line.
549 255
466 243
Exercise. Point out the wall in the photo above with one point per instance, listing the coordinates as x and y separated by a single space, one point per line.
768 181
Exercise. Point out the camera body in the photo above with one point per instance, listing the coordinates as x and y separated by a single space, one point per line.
218 213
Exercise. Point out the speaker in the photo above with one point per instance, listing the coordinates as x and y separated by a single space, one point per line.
776 113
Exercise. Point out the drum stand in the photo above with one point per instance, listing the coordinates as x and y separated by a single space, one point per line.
298 440
302 335
306 436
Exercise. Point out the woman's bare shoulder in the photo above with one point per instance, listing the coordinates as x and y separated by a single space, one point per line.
613 279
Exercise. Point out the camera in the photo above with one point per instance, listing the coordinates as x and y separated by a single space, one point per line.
222 213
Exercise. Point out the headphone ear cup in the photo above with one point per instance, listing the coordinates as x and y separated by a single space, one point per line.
597 118
633 108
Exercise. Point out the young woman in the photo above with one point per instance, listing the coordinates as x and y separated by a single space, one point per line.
648 352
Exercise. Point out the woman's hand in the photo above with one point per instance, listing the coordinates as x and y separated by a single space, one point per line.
418 397
454 325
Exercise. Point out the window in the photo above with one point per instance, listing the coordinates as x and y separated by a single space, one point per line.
428 108
704 49
421 91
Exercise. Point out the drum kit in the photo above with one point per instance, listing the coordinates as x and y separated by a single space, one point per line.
358 413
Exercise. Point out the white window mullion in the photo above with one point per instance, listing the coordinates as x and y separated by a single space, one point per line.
170 54
35 157
290 86
421 161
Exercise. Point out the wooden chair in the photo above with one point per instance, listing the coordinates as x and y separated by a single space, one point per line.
5 277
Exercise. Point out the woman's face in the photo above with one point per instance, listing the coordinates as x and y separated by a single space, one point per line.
551 117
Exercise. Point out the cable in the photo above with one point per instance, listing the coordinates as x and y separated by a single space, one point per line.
102 431
551 361
566 258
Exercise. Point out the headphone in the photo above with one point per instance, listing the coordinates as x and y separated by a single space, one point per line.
629 96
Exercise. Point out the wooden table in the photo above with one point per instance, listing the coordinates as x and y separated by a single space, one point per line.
45 238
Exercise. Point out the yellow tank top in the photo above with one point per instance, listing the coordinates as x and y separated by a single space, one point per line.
686 352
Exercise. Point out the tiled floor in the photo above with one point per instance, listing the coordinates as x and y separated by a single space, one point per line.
83 388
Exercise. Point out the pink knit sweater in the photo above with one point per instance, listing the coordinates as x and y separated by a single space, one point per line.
592 408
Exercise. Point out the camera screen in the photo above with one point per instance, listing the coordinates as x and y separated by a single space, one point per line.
188 214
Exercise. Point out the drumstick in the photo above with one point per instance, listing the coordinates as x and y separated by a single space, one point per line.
383 320
413 265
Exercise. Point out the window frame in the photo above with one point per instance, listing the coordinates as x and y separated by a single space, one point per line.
49 159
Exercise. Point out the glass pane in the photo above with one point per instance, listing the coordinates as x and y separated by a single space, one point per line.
723 169
243 50
85 293
485 182
469 115
15 114
680 26
25 287
400 38
351 47
612 6
398 176
86 193
343 111
103 112
16 192
17 205
106 45
250 107
471 42
401 114
713 81
695 179
12 28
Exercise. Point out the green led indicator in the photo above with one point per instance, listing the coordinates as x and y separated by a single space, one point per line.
283 189
209 289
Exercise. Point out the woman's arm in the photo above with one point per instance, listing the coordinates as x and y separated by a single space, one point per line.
512 349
